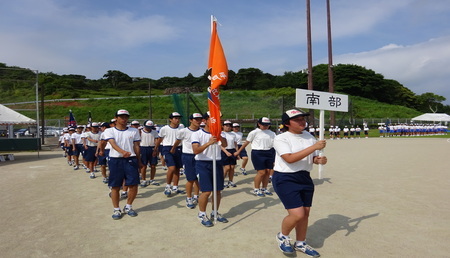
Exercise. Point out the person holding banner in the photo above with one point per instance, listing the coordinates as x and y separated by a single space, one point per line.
296 152
202 142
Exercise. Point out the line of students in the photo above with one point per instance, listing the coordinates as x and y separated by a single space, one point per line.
291 154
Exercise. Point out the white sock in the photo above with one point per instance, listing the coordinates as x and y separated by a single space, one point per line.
300 242
201 213
128 206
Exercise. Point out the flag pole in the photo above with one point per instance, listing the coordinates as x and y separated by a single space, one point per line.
214 146
321 137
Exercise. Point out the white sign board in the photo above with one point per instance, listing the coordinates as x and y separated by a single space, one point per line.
321 100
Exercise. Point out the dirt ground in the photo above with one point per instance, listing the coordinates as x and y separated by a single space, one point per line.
378 198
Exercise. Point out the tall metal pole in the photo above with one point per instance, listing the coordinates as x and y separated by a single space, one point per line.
309 49
330 61
37 110
42 115
149 100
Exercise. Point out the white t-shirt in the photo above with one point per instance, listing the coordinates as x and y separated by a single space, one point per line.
201 137
231 140
77 138
67 137
102 137
291 143
169 134
148 138
261 139
185 136
124 139
93 136
239 136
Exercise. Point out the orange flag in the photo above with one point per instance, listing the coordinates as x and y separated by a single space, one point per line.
217 65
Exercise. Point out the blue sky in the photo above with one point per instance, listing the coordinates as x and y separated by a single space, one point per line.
405 40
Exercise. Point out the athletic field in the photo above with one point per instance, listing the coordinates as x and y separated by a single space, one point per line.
380 197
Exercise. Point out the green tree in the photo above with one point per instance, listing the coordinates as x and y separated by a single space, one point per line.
115 77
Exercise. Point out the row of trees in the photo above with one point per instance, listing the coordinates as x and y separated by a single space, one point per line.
349 79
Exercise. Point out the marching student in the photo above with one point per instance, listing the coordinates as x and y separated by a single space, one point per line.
263 155
296 152
243 154
149 154
168 136
123 162
102 153
77 146
91 143
188 158
228 157
201 146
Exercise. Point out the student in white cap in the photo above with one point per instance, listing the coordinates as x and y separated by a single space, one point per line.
77 146
103 149
228 157
263 155
201 145
91 142
243 154
168 136
123 162
296 152
188 158
149 154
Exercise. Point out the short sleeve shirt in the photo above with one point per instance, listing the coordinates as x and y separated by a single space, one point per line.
288 142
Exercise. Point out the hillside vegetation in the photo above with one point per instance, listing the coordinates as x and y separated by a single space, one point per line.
250 93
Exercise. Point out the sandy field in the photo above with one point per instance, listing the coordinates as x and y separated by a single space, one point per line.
378 198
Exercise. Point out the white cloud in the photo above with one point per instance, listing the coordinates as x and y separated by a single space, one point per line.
420 67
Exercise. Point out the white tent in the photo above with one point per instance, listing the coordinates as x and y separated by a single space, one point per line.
432 117
11 117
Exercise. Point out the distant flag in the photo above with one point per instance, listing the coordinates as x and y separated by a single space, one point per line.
89 118
72 121
217 65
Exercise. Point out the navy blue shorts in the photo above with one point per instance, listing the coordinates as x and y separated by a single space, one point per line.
102 160
263 159
228 160
89 154
243 153
78 149
121 169
147 155
189 166
205 175
294 189
69 150
172 159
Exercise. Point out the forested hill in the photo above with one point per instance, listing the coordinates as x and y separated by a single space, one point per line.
17 84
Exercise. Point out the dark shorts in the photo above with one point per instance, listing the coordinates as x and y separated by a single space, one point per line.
294 189
172 159
205 175
79 149
102 160
69 150
89 154
263 159
243 153
147 155
121 169
189 166
228 160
